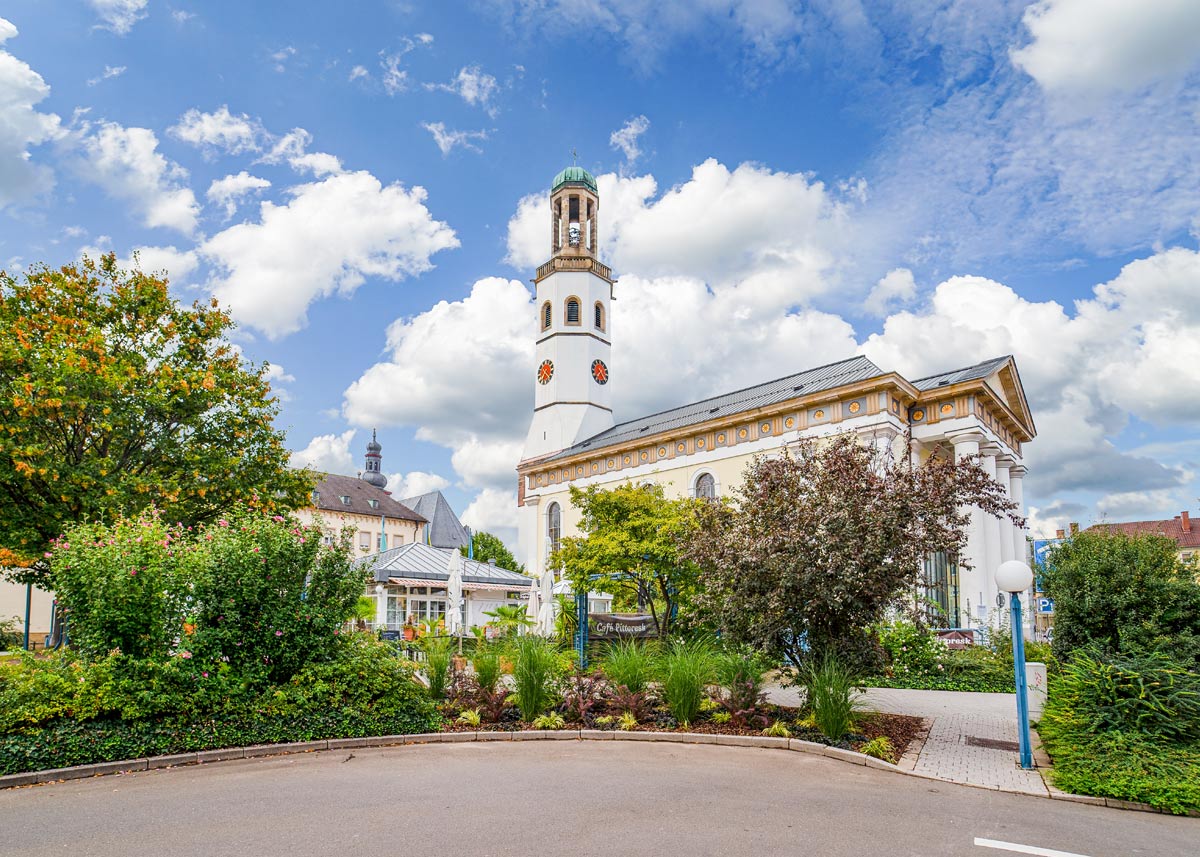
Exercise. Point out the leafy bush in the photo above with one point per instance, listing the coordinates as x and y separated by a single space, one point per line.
102 714
1139 694
536 670
627 722
685 670
551 720
584 691
1125 766
879 748
626 701
12 635
628 663
778 729
831 700
470 717
911 650
722 717
438 653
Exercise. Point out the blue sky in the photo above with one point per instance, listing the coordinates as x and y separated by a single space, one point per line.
783 184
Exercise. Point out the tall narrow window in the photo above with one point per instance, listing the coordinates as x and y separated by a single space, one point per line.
599 316
546 312
554 525
572 310
706 487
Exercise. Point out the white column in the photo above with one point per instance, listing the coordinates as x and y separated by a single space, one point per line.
991 531
971 587
1016 476
1003 462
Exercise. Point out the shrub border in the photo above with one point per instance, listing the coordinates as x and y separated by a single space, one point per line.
261 750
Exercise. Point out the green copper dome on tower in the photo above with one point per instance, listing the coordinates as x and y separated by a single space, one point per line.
574 175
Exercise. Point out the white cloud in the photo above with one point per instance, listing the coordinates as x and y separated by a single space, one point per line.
22 127
327 453
395 79
119 16
493 511
110 71
275 372
359 71
486 462
219 131
448 140
281 57
1095 46
896 287
318 163
626 137
181 16
177 265
473 85
126 163
229 191
415 483
325 240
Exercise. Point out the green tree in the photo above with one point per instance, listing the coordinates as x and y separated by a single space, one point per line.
488 547
820 544
114 397
631 547
1124 594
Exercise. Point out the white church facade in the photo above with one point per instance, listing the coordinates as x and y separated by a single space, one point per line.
703 448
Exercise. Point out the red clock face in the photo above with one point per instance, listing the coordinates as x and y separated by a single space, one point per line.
599 372
545 372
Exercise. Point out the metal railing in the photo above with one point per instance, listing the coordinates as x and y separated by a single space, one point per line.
574 263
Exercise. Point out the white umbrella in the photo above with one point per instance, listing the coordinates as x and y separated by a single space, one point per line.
545 617
454 593
535 604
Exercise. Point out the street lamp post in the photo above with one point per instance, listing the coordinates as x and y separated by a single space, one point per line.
1015 577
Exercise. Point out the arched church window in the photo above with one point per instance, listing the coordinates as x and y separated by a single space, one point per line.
546 315
554 525
706 487
599 316
572 310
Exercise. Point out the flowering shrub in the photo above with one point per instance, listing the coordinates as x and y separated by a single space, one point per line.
911 650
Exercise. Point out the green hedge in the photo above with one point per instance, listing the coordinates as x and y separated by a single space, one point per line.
981 682
72 742
60 710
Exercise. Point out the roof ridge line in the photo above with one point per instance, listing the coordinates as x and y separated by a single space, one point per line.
961 368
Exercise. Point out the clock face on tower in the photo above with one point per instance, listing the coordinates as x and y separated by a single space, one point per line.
545 372
599 372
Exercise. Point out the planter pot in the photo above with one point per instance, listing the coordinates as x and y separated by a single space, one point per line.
410 633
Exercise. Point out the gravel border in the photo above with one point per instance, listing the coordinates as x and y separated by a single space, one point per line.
261 750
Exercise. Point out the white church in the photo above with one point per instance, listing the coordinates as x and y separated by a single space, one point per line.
701 449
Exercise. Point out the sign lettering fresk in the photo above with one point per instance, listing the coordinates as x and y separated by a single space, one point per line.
613 626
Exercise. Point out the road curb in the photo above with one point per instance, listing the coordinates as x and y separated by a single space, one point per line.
76 772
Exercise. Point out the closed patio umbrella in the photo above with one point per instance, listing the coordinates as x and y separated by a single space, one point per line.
454 594
545 617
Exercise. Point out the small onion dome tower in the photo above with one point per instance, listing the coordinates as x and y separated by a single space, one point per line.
372 474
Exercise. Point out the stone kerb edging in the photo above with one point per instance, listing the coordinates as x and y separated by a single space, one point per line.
795 744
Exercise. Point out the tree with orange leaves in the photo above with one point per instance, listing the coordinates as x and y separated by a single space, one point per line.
115 397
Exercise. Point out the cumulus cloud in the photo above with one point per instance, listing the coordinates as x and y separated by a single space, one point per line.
359 71
229 191
126 163
219 131
493 511
626 137
472 85
22 126
327 238
896 287
327 453
1096 46
448 140
119 16
175 264
415 483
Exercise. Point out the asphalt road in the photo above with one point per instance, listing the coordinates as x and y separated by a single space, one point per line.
560 798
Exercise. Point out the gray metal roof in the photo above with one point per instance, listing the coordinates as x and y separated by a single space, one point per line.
801 384
429 563
956 376
445 529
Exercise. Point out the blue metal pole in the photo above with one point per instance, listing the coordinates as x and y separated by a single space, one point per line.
28 610
1018 643
581 631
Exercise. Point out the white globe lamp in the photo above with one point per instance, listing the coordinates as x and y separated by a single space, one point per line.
1014 576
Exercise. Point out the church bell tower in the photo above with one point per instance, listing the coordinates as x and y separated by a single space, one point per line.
573 328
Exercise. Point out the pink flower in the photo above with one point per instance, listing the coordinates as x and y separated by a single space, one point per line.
185 654
48 554
279 633
256 550
277 518
204 674
133 572
223 522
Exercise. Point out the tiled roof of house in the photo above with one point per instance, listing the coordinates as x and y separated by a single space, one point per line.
362 498
423 562
1173 528
445 529
760 395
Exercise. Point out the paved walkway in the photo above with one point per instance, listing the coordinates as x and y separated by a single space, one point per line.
955 718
